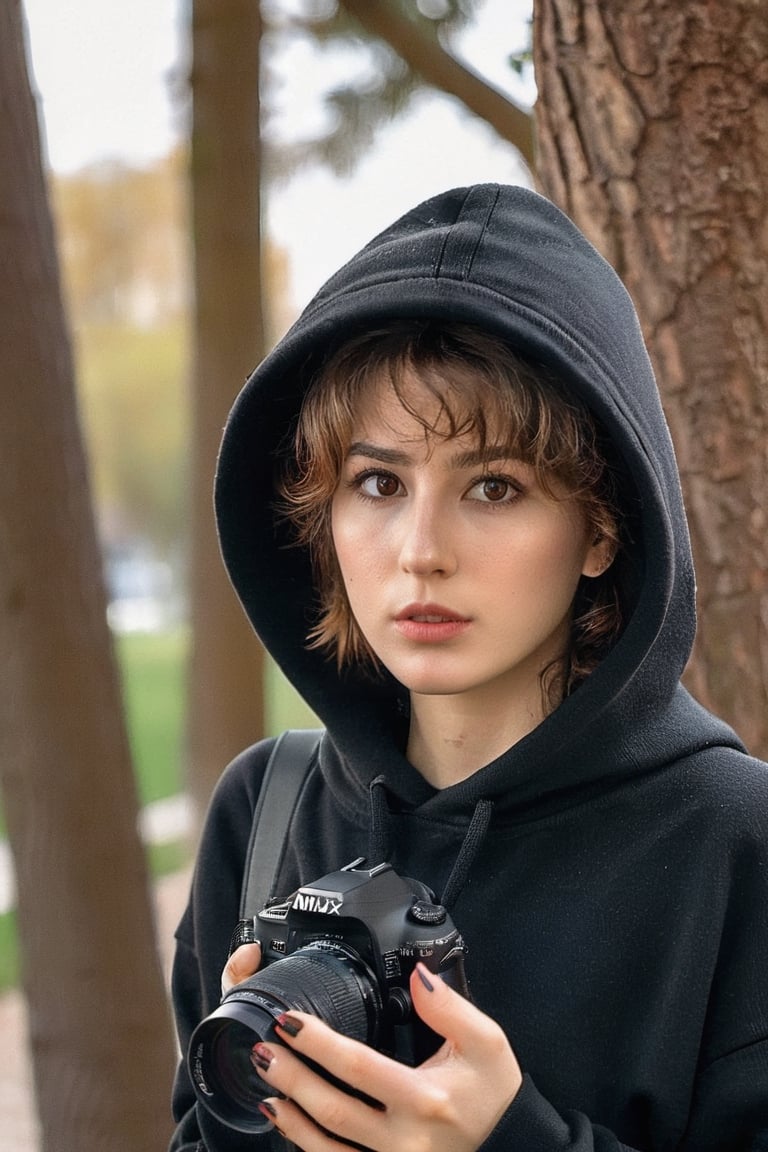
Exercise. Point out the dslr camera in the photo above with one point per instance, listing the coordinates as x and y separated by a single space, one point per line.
343 949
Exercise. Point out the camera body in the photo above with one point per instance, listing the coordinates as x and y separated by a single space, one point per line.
342 948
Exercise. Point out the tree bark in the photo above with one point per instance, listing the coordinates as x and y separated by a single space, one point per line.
225 701
100 1034
652 124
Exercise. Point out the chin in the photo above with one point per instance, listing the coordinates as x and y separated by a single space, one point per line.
435 685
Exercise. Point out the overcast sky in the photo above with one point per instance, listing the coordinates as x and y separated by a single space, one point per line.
111 86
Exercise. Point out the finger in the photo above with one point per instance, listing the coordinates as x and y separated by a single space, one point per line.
363 1069
243 962
298 1128
312 1100
467 1029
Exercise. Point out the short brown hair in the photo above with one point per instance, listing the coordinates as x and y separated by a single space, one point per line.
481 385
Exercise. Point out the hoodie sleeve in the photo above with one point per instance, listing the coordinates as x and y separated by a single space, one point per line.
531 1123
733 1101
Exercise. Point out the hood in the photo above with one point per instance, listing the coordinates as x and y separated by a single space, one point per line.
506 259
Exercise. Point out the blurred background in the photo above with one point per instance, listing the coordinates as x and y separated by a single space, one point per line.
182 178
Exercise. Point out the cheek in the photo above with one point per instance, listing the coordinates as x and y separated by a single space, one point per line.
341 526
570 544
569 556
349 542
553 564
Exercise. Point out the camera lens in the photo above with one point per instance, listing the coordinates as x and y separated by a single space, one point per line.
325 979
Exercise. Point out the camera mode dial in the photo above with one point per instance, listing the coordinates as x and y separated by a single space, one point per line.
424 912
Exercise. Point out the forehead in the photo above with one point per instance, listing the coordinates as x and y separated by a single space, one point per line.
428 404
384 400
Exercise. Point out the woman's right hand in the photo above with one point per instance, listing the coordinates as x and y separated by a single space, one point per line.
243 962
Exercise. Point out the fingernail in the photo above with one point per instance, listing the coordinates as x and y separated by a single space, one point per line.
289 1024
270 1112
261 1057
421 972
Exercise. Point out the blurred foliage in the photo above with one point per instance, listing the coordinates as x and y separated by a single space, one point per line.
122 237
378 85
132 384
122 241
125 266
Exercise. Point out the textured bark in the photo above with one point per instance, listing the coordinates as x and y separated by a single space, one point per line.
225 693
101 1040
652 126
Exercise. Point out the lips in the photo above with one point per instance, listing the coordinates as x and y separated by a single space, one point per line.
430 614
430 623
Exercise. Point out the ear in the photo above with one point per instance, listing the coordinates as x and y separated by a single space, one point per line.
600 556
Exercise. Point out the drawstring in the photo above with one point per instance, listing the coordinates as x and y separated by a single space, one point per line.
470 846
379 820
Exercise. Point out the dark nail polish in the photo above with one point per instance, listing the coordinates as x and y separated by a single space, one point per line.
269 1111
289 1024
422 975
261 1057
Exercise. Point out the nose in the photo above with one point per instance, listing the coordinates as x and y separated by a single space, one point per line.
427 544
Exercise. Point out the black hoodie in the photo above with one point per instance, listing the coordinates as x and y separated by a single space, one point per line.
615 902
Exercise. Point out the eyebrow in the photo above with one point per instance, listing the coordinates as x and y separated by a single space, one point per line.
378 452
475 456
467 459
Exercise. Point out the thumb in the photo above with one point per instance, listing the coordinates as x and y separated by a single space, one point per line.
467 1030
243 962
438 1005
476 1046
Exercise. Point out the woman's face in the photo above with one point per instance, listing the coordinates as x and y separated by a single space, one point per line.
460 570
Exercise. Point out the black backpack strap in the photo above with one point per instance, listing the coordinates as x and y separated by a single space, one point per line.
288 767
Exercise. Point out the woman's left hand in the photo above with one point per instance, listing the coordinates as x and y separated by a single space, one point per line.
450 1103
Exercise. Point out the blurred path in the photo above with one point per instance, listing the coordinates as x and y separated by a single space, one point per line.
18 1125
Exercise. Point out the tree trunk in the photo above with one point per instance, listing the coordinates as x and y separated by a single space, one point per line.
226 675
100 1031
652 125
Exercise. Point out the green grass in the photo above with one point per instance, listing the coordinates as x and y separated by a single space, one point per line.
153 670
9 952
153 688
283 705
154 685
168 857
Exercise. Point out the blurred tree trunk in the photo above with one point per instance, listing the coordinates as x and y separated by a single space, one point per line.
652 126
100 1030
225 701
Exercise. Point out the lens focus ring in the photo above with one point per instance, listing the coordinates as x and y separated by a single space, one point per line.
327 982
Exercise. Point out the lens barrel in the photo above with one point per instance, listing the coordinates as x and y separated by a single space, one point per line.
324 978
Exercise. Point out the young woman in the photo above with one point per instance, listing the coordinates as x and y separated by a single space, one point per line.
449 504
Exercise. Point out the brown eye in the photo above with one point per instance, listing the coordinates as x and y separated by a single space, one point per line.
387 485
379 484
494 489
